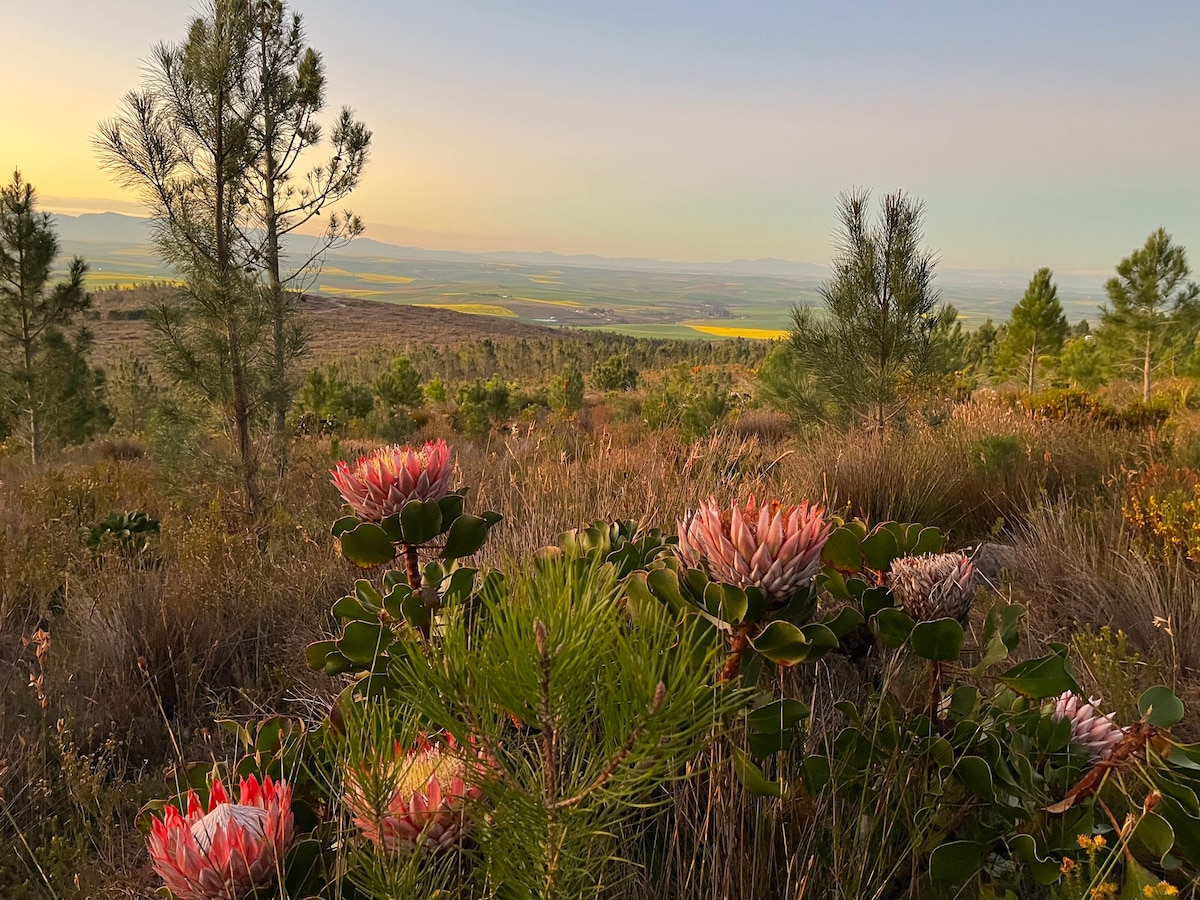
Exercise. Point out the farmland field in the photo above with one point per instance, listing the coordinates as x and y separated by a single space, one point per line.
636 297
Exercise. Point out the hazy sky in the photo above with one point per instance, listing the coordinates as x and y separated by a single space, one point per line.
1038 133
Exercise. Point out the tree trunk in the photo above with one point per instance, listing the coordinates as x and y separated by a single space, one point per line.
35 415
1146 372
1032 365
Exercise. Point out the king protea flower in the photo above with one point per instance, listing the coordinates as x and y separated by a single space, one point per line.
416 799
228 850
933 586
1090 729
772 547
383 481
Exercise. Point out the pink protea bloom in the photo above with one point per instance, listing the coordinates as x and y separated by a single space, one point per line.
1098 733
772 547
228 850
381 482
418 798
934 585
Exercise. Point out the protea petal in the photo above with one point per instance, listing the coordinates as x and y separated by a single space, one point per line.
933 586
1097 732
772 547
425 794
379 484
229 851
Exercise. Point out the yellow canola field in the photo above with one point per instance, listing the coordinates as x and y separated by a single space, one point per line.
384 279
472 309
758 334
574 303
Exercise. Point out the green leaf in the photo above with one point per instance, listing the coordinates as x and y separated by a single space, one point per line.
416 611
816 773
316 652
995 651
880 548
956 862
895 625
344 524
353 609
452 507
392 528
1045 869
421 522
778 716
362 642
835 584
843 550
1161 707
929 540
783 643
664 584
875 599
466 536
844 622
752 777
976 776
367 546
726 602
1137 879
367 595
394 601
1046 676
1154 835
940 640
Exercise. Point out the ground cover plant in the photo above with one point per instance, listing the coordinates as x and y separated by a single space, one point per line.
875 697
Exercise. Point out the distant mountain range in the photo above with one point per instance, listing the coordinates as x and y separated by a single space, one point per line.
117 228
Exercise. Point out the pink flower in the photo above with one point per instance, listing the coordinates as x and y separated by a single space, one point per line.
774 548
934 585
229 850
416 799
1096 732
383 481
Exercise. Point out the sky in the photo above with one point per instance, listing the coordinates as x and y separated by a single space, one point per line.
1037 133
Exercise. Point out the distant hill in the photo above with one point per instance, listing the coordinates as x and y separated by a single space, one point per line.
631 294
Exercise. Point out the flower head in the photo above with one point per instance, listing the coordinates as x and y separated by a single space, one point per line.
933 586
228 850
383 481
416 799
1096 732
772 547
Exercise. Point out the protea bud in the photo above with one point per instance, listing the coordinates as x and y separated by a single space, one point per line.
382 482
1091 729
416 799
772 547
933 586
228 851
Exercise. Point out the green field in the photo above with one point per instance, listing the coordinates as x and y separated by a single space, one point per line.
636 301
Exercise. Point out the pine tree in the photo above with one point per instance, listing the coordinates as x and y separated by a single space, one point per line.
1154 307
33 313
184 142
1038 327
877 343
291 93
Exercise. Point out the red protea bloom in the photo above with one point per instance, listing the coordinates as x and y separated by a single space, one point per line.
934 585
772 547
229 850
1098 733
383 481
417 798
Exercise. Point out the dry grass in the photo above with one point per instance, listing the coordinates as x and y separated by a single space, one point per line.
144 656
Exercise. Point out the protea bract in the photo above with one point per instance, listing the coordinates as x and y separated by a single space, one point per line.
417 798
772 547
934 585
229 850
381 482
1097 732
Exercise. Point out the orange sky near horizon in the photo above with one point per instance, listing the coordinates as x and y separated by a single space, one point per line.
693 131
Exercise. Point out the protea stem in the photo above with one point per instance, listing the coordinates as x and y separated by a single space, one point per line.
737 649
935 690
412 565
